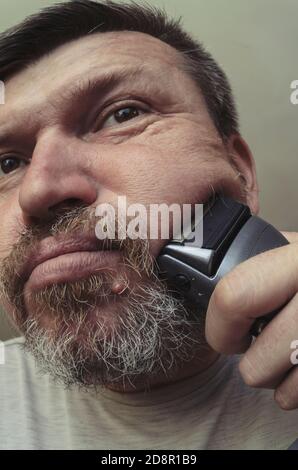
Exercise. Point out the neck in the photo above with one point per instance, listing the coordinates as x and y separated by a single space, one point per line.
185 371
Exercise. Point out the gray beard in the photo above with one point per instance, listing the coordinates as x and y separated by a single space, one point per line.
84 335
152 334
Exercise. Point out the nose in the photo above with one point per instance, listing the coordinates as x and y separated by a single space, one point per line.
57 174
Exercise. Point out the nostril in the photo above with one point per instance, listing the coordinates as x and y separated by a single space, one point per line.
66 204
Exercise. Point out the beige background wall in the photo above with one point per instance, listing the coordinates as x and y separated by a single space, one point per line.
256 41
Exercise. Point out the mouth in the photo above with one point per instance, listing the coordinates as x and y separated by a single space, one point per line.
71 259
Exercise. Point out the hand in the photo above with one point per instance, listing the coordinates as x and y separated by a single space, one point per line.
253 288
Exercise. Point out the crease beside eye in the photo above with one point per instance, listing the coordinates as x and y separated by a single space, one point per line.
106 121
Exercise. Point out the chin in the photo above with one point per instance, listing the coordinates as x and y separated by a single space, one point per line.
92 332
75 307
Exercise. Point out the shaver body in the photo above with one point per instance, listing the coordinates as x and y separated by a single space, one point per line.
231 234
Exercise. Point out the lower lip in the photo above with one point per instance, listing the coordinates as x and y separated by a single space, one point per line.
71 267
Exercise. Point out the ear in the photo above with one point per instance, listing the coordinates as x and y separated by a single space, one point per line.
244 163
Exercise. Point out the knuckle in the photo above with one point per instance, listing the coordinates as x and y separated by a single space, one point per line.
225 296
248 373
292 252
282 400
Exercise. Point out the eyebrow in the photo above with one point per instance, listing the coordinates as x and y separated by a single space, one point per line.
95 83
82 88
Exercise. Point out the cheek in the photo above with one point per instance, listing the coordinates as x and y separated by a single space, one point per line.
178 163
10 225
182 167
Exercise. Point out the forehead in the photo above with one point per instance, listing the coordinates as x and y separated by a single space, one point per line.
98 51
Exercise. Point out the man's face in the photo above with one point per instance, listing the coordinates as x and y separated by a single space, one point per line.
142 131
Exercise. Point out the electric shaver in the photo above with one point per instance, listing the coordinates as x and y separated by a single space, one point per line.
231 234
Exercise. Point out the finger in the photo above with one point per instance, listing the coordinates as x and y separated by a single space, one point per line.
292 237
269 358
286 394
255 287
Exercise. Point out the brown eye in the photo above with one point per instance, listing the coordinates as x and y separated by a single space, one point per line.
10 164
125 114
122 115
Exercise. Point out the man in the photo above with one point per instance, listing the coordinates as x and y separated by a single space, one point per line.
102 100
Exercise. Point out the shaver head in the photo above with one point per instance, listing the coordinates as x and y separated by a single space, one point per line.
223 218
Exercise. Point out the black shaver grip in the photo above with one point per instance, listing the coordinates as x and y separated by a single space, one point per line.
231 235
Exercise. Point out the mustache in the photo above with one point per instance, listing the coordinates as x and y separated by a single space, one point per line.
66 220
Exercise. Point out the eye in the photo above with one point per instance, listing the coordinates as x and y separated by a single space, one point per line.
126 113
10 163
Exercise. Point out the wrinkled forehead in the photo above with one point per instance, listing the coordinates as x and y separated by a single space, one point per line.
101 51
126 61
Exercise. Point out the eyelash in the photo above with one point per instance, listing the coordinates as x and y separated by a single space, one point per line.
6 176
103 116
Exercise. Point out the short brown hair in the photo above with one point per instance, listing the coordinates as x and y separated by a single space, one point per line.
55 25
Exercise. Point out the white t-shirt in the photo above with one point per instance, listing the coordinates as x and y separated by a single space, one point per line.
212 410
